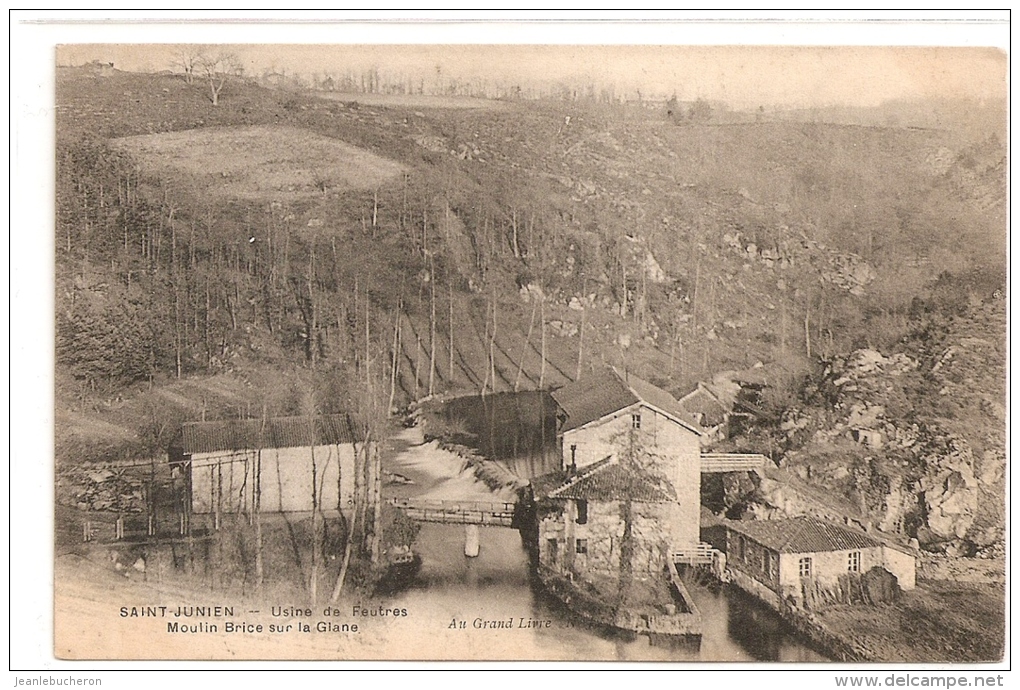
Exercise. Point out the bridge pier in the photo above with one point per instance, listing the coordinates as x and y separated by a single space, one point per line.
471 541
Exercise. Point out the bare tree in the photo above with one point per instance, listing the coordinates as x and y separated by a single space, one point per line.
451 333
524 350
395 363
257 504
432 329
310 411
541 376
216 68
186 59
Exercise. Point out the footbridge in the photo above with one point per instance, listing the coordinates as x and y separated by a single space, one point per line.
712 463
471 514
458 512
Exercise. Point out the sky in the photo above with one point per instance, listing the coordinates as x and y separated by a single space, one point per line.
743 76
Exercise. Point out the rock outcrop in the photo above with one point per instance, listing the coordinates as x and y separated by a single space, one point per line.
913 440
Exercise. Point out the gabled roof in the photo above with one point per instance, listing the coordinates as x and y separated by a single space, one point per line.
757 376
704 405
605 480
277 432
601 394
803 535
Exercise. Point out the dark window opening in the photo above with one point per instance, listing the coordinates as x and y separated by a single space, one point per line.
635 421
581 546
582 512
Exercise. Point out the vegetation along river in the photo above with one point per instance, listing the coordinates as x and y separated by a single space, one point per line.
451 590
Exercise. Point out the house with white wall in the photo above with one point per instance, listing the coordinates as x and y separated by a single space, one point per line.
635 424
783 561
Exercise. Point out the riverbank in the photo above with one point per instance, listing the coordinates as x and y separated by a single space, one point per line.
959 619
956 614
656 609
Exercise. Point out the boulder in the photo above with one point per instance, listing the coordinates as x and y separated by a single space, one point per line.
951 491
737 486
865 416
531 291
960 548
866 360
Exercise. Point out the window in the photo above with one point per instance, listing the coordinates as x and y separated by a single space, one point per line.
582 512
635 421
553 547
741 547
804 567
770 565
581 546
853 562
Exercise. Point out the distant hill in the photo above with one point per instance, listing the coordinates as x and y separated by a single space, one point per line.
966 119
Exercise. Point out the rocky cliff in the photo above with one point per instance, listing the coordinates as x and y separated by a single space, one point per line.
911 441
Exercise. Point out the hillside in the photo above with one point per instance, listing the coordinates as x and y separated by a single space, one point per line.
299 250
912 439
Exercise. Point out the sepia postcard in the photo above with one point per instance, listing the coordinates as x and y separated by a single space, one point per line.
530 352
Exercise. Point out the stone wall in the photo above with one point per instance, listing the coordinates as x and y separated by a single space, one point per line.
599 440
604 539
752 586
682 448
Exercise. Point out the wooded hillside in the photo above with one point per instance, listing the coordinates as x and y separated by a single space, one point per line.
287 242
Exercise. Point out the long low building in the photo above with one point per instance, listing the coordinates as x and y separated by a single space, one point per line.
775 559
273 465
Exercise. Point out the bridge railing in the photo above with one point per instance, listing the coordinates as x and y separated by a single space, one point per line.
453 512
455 505
732 462
699 553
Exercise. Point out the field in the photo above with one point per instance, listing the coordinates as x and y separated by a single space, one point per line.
262 162
413 101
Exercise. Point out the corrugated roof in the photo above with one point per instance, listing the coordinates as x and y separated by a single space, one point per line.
277 432
804 535
605 480
599 395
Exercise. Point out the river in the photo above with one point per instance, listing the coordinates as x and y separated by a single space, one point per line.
496 586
